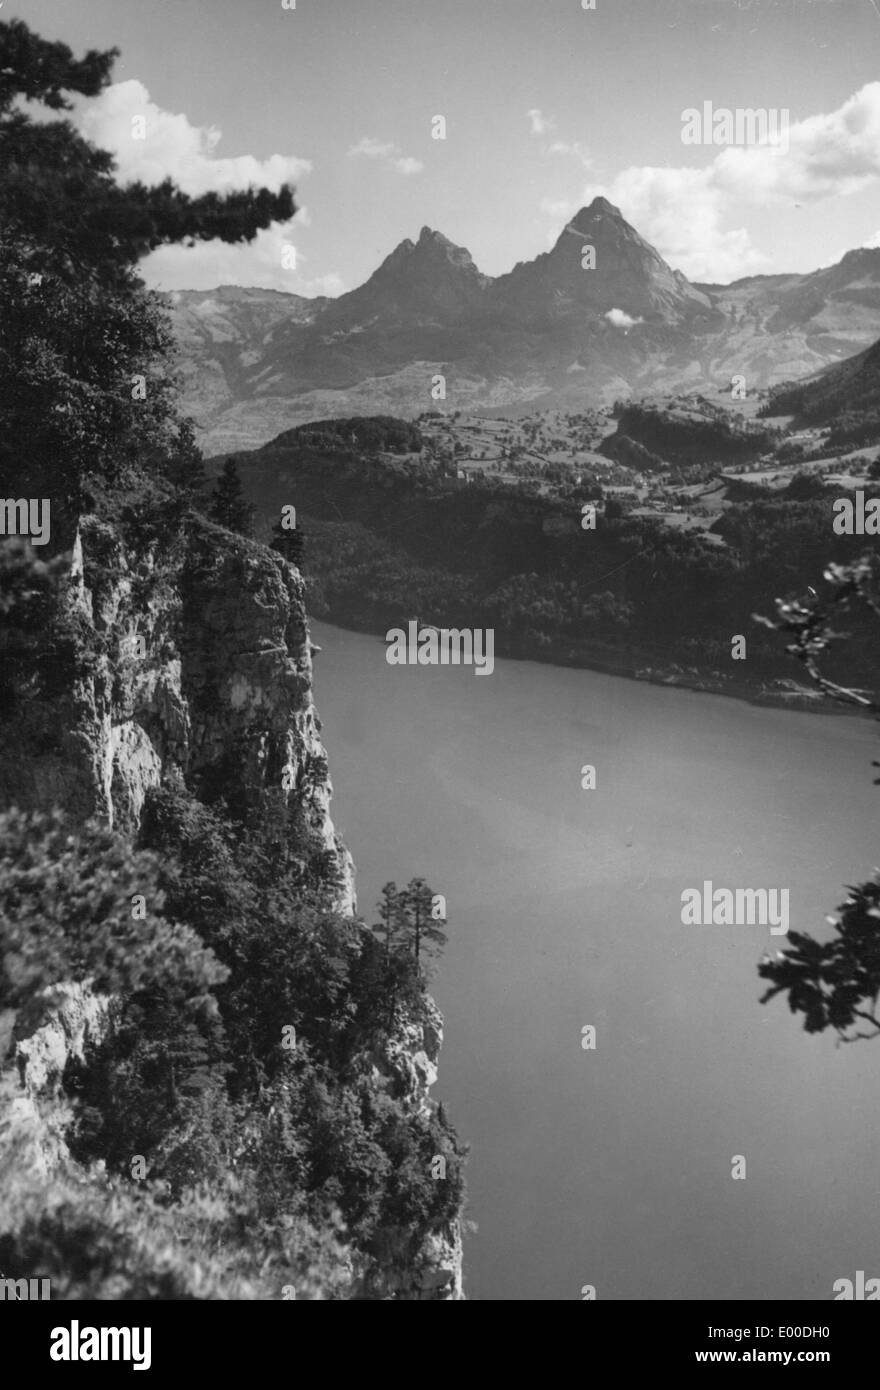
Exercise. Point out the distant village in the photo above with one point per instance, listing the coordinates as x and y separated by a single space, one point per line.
560 454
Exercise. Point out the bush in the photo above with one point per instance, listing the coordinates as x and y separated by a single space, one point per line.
107 1239
66 904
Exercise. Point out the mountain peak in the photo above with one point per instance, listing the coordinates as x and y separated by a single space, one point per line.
427 236
602 205
441 250
599 207
626 274
427 282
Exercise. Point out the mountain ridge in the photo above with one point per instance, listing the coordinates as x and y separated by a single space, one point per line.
552 332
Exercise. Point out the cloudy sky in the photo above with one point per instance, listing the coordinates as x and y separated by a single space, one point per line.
545 105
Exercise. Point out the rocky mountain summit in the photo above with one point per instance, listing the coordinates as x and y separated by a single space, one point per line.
598 317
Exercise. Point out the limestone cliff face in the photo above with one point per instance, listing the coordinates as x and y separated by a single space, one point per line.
201 668
433 1273
198 667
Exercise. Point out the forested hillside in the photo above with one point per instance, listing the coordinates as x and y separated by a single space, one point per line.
386 538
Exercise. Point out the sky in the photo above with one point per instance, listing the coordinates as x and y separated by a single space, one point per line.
545 104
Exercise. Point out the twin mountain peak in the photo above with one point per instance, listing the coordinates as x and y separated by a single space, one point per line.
432 282
433 277
552 333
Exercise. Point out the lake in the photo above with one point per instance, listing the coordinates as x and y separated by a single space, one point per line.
613 1167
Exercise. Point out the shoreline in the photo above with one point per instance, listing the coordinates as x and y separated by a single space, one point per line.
801 698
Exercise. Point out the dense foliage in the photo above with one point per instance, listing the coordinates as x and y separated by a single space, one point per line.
248 1016
271 1081
702 433
369 432
244 1124
84 350
835 983
227 505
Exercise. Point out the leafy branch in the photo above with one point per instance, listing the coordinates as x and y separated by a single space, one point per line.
834 984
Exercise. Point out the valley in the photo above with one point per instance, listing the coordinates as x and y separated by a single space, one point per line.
699 513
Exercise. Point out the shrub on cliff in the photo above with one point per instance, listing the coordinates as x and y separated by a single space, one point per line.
195 1078
70 909
114 1240
37 648
279 1083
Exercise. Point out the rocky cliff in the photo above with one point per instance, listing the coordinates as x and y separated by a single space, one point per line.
201 667
194 665
434 1273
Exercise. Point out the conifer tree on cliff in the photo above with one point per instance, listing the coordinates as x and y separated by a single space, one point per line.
288 539
227 505
407 926
426 936
77 327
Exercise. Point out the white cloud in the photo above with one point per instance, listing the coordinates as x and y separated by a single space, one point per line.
571 147
539 123
373 149
390 153
873 242
172 147
829 155
682 211
259 264
408 165
619 319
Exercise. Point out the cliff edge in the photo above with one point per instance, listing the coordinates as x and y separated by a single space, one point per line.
192 669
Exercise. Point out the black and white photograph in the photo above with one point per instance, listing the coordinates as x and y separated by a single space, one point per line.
439 667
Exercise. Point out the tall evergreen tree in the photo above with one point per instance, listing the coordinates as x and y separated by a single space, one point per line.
426 936
410 932
227 505
88 395
288 539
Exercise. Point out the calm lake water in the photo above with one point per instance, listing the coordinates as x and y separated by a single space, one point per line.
613 1167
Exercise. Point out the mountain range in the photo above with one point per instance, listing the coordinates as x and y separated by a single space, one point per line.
570 329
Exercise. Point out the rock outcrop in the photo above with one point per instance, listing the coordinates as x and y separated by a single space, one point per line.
194 663
199 666
433 1273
